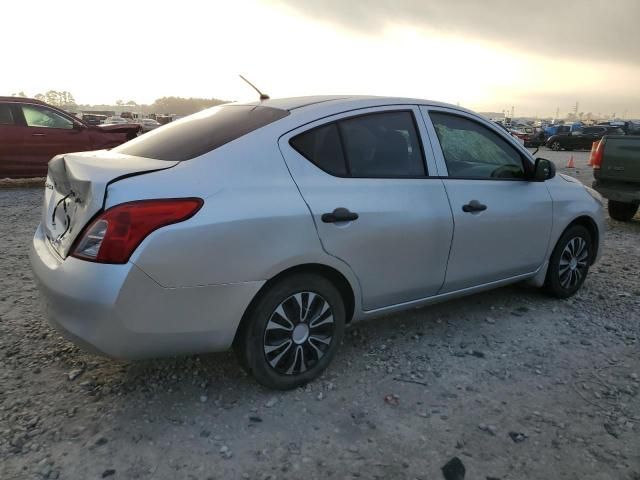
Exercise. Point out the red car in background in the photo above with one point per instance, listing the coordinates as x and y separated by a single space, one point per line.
32 132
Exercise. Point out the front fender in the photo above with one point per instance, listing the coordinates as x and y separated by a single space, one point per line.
571 202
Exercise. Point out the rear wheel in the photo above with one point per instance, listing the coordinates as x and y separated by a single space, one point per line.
622 211
293 331
569 262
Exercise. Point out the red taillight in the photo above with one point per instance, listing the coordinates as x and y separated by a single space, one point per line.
116 233
596 157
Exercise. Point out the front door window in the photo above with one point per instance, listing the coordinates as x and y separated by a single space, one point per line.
44 117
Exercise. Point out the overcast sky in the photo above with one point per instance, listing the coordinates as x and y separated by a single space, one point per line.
486 55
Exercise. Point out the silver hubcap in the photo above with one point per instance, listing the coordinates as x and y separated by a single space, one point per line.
299 333
573 262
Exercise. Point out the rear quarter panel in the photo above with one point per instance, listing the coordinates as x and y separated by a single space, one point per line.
253 225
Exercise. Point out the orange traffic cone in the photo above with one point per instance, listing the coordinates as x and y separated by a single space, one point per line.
594 147
571 163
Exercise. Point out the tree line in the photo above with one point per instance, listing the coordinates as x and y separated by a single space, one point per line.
165 105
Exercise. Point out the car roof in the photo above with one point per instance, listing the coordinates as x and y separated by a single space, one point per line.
342 101
22 100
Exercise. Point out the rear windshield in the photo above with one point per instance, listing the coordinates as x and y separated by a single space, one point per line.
200 133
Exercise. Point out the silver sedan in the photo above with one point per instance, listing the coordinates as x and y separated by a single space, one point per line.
270 226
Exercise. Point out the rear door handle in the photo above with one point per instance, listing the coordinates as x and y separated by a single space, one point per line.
474 206
38 134
339 215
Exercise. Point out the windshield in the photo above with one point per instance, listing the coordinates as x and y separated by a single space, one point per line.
201 132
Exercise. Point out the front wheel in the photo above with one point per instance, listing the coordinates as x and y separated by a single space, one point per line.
622 211
292 332
569 262
555 146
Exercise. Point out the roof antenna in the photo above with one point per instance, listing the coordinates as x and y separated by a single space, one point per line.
263 96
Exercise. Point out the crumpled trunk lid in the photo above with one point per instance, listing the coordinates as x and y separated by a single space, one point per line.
76 187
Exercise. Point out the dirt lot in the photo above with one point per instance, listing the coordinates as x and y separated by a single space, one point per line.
514 384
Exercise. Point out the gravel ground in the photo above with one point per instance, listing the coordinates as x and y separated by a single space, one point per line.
513 383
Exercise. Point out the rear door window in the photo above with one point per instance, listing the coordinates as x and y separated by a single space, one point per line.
375 145
6 114
200 133
382 144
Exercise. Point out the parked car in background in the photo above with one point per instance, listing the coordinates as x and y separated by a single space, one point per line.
148 124
528 136
269 226
630 127
518 136
563 129
32 132
616 169
558 130
115 121
164 119
581 139
92 118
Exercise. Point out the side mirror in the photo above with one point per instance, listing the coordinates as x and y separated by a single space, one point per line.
78 126
543 170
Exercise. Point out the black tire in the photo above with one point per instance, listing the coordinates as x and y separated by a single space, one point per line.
555 283
300 294
622 211
555 146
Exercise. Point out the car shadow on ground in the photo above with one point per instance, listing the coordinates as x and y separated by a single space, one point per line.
461 320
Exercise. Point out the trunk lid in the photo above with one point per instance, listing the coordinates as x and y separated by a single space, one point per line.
621 159
76 187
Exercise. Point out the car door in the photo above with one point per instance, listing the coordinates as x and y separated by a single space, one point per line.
572 140
502 220
584 138
590 135
365 179
50 133
11 142
564 134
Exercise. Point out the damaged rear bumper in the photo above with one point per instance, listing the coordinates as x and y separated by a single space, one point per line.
119 311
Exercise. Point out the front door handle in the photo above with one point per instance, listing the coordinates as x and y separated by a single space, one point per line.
474 206
38 134
339 215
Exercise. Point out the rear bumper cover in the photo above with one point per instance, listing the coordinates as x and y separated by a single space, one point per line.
618 191
119 311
